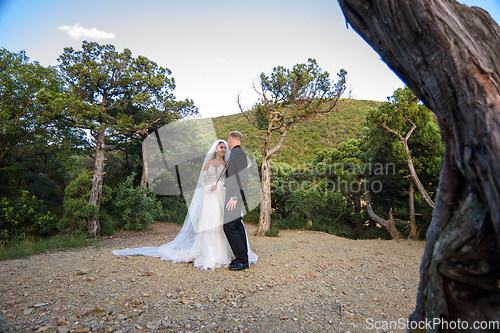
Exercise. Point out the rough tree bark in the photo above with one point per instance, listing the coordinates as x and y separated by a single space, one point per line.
388 224
448 54
96 191
413 223
265 201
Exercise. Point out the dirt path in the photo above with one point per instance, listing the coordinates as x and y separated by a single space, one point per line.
305 281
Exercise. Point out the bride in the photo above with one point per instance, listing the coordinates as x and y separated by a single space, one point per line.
201 239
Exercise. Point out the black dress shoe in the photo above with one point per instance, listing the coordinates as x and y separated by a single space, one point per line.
238 267
233 262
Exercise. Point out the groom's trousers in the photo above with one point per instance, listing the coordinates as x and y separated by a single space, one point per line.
236 236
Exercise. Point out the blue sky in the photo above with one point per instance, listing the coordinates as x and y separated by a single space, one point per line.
215 49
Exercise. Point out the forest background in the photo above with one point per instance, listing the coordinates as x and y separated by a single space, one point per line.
320 176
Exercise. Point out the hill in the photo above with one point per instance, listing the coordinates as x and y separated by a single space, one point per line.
305 139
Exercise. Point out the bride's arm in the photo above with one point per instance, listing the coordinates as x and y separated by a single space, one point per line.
206 183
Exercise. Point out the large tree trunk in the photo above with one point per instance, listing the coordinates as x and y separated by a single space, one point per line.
413 223
448 54
415 178
145 158
144 176
96 191
265 203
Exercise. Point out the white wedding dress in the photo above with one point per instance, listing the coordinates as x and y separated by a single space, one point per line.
201 239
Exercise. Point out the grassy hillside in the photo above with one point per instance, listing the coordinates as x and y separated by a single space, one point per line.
305 139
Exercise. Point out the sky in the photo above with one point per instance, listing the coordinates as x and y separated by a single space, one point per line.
215 49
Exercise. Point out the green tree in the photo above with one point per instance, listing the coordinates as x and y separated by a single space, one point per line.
21 118
345 170
104 93
35 150
404 132
288 97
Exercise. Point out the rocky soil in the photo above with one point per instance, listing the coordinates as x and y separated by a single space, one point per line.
304 281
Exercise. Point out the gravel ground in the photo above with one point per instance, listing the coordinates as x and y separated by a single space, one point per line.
305 281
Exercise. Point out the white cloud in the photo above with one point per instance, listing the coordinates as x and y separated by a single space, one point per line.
78 32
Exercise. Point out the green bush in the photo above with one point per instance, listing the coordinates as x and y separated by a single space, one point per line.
253 216
25 216
174 209
273 231
337 229
403 228
77 209
314 205
376 233
137 206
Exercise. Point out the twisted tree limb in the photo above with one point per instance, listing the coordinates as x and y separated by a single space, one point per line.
388 224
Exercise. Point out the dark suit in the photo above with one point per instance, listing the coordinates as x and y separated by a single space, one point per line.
236 185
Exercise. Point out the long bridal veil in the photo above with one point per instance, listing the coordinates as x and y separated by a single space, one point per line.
181 248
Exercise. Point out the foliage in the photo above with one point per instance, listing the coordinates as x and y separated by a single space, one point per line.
354 166
30 245
288 97
174 209
114 96
253 215
25 216
77 209
273 231
35 150
137 207
307 138
105 88
426 149
22 120
43 150
377 232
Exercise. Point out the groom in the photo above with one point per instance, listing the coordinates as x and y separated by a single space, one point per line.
236 193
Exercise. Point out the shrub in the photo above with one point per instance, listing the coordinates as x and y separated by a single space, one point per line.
77 209
137 206
337 229
25 216
376 232
273 231
174 209
253 216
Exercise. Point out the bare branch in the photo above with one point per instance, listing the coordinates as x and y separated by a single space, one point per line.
413 126
400 137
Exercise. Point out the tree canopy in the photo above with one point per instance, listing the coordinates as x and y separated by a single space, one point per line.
115 97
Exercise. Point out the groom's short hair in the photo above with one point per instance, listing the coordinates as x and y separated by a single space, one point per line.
235 135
